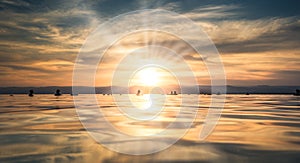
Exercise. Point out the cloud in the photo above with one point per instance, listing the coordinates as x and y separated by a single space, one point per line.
280 78
228 26
262 68
43 38
254 35
48 27
30 37
212 13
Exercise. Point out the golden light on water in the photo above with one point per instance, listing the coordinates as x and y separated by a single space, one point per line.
249 123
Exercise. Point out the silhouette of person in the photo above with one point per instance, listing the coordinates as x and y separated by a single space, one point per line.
171 92
138 93
30 94
175 93
57 93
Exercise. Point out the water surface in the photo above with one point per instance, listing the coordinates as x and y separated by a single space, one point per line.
254 128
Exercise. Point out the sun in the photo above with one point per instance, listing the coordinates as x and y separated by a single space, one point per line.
148 76
152 80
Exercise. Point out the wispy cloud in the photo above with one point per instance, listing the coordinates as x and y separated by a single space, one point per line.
263 34
40 40
212 13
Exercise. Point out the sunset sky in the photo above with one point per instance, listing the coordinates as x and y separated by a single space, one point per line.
259 41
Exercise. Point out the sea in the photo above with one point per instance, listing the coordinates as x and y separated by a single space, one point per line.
251 128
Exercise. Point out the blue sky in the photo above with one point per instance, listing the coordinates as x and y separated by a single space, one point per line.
258 40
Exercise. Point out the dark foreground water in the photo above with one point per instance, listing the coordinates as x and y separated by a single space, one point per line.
254 128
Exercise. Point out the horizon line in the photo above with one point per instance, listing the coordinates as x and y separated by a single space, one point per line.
144 86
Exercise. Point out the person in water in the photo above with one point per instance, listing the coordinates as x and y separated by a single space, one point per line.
30 94
138 93
173 93
57 93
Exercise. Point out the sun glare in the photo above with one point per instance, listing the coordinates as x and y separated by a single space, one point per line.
152 77
148 77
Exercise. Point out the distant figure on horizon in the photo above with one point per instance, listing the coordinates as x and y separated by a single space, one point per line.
138 93
173 93
57 93
30 94
297 92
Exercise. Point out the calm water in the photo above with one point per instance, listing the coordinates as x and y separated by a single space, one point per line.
255 128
